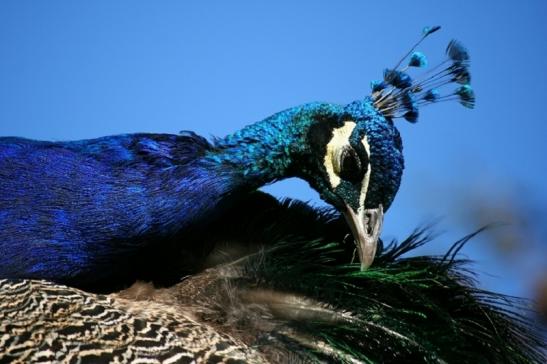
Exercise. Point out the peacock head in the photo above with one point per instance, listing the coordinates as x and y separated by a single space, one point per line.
351 154
356 159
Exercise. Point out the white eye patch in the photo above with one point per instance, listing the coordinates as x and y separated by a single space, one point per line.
339 141
366 178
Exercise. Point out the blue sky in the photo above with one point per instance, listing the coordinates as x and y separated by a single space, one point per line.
73 70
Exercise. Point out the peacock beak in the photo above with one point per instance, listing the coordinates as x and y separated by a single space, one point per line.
366 226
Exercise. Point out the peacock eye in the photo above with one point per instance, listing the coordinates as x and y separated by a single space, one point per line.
347 165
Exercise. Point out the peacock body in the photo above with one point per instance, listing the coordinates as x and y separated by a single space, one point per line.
268 281
83 212
92 212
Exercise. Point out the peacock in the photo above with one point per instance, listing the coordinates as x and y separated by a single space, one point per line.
238 276
98 214
278 287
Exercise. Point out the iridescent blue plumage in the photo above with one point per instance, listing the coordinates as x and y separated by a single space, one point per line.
82 212
71 210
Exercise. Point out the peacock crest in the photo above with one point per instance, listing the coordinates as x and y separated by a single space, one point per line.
399 95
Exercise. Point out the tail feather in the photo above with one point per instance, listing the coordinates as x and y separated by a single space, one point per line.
297 298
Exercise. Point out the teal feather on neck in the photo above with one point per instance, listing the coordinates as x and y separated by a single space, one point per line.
292 143
352 154
269 149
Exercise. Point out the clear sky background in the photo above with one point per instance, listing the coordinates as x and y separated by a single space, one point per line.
83 69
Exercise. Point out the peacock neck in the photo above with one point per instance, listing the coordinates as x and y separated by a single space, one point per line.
266 151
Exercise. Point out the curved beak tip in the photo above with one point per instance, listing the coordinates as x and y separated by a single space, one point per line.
366 227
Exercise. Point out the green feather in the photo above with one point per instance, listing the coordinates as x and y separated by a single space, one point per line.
296 298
